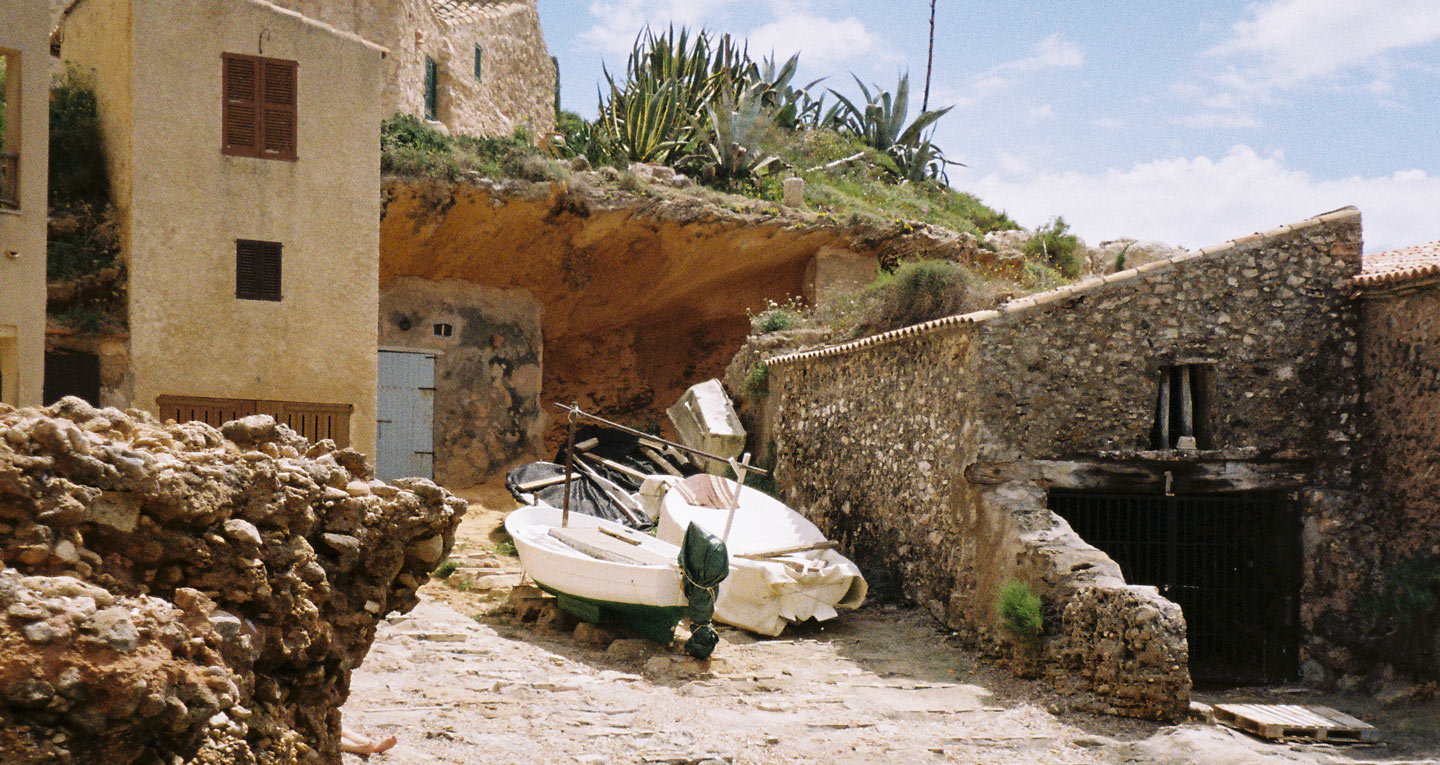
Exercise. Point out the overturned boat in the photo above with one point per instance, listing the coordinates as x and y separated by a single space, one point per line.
782 568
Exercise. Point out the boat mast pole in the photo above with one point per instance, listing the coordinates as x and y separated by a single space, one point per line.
569 466
574 410
740 468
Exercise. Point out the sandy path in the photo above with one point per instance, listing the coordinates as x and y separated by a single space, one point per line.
460 681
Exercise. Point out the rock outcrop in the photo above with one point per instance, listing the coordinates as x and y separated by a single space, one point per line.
181 592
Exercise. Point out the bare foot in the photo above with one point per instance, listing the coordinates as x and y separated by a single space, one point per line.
358 744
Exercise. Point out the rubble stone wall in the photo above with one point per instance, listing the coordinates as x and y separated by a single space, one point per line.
182 591
928 451
517 81
487 371
1402 377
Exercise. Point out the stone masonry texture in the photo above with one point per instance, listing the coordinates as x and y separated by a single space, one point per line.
929 452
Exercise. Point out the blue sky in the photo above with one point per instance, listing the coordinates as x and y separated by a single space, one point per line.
1190 123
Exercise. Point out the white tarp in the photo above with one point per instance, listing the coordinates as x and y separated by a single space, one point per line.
765 595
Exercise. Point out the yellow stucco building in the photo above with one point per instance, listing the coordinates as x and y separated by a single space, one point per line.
243 149
24 171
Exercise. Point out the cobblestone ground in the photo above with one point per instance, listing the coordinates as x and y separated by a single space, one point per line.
459 680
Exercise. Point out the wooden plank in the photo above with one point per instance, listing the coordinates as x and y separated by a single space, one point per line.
617 467
659 459
826 545
540 483
1291 721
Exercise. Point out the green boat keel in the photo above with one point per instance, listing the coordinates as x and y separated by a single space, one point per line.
654 622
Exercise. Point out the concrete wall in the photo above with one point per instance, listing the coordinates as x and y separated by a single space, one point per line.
1402 377
929 451
517 86
183 203
487 376
24 41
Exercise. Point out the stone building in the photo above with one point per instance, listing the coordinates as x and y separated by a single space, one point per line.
241 147
480 67
24 160
1182 434
1400 310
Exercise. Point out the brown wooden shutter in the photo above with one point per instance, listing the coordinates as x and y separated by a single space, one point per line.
240 96
257 270
278 108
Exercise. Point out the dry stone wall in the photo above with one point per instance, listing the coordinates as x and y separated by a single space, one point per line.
930 451
179 591
1402 376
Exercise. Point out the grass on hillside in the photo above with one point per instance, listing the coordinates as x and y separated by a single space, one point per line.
861 190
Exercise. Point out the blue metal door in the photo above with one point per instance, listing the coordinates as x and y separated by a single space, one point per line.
405 425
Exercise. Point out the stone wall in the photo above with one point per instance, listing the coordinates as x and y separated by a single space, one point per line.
517 82
929 451
1402 377
487 373
179 592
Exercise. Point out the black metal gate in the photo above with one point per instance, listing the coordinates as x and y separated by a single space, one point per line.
1231 562
71 373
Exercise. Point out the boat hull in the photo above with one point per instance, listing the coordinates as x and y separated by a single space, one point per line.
647 598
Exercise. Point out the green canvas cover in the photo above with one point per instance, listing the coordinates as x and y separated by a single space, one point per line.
705 563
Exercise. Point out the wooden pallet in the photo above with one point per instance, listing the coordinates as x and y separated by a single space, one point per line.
1290 721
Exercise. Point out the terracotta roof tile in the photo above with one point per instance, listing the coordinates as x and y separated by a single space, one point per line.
1402 265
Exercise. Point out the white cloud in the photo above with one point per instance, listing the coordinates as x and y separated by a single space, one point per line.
1198 201
1042 112
1301 40
618 21
1053 52
822 43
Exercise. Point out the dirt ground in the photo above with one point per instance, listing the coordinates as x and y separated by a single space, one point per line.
462 680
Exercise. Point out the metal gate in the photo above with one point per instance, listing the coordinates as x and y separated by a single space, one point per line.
71 373
1231 562
405 422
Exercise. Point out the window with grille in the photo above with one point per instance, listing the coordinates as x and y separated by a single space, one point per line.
257 270
1182 408
259 97
479 55
432 90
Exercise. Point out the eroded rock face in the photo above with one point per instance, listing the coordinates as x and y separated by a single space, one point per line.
181 591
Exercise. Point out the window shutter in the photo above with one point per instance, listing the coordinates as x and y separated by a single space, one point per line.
479 56
257 270
432 90
247 269
279 102
270 270
240 96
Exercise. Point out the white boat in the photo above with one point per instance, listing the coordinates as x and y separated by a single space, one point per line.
600 570
768 588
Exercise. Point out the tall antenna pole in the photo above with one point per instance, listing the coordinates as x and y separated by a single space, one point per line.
929 60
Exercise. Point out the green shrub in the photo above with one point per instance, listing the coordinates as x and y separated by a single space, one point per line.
1053 244
774 319
446 568
765 483
77 150
506 547
1408 593
1019 609
917 291
757 382
409 147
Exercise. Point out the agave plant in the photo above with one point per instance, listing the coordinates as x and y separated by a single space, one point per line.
733 150
880 123
792 107
670 80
